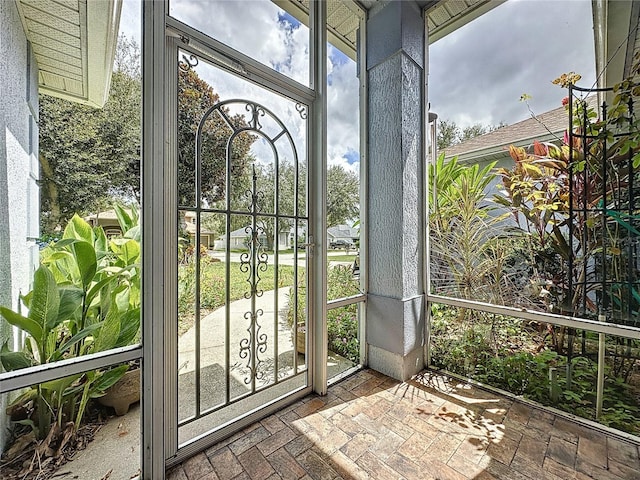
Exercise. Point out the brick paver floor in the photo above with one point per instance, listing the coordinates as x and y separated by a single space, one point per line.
371 426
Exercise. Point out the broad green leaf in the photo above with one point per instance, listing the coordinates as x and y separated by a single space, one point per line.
29 325
121 297
108 335
15 360
55 256
134 233
60 384
129 327
127 250
65 242
70 302
78 229
78 337
49 345
108 379
85 256
98 287
45 302
123 218
101 243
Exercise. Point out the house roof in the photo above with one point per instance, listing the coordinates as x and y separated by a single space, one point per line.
342 231
546 127
74 44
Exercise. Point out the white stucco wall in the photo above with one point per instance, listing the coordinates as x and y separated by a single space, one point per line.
19 197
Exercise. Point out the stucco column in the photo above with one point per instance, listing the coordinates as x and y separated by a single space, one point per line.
396 207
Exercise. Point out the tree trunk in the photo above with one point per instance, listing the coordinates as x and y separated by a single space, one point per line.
51 189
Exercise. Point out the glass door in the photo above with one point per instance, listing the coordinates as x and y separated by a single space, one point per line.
242 331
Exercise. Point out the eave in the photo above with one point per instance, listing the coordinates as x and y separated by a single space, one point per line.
74 45
443 17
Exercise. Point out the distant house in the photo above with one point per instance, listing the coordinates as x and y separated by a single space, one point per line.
343 232
108 220
238 239
546 127
207 237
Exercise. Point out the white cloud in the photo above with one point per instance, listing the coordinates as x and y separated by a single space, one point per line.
259 29
477 74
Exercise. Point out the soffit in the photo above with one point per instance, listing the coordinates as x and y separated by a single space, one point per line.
447 16
443 17
343 19
73 42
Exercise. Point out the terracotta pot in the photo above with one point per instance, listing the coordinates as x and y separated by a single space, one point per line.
301 343
123 393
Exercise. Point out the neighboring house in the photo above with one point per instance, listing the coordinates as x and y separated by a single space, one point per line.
108 220
548 127
207 237
343 232
66 51
545 127
238 239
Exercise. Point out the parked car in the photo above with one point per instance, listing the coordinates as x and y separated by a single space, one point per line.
340 243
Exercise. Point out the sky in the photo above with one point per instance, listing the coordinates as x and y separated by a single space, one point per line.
477 74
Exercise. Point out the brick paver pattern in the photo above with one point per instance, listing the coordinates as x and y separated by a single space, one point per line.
431 427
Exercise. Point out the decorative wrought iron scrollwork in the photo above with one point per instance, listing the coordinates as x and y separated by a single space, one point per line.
255 261
188 62
256 112
302 110
251 347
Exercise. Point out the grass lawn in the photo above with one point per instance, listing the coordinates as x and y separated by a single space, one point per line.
212 287
341 258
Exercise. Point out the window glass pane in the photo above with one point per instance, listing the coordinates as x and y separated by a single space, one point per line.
77 419
343 149
534 207
74 265
242 336
343 331
257 28
70 271
552 365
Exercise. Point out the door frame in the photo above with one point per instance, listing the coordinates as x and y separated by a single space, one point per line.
162 35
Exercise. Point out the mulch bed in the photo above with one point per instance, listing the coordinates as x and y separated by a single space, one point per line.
28 459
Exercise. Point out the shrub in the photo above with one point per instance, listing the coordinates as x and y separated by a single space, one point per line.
342 323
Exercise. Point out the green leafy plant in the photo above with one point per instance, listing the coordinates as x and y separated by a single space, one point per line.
465 241
85 299
342 323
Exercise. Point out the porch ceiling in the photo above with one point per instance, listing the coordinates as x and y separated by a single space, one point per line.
444 16
74 44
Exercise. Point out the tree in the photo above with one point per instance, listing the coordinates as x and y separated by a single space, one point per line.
449 133
88 156
195 97
343 195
